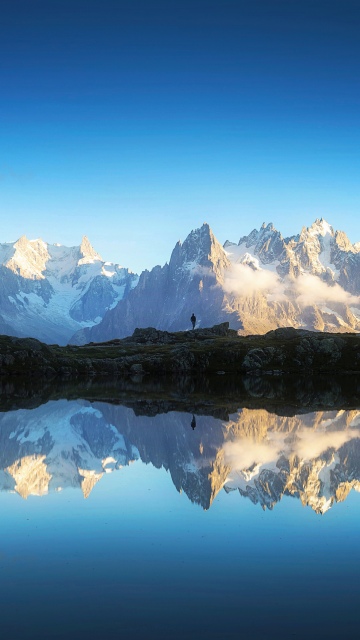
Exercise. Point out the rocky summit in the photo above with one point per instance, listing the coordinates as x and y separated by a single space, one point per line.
264 281
309 281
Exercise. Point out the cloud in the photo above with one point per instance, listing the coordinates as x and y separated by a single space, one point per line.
200 270
305 290
310 445
311 290
246 453
243 280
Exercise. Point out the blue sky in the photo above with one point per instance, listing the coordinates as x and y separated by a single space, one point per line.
135 121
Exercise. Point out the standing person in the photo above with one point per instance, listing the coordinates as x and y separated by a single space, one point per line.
193 321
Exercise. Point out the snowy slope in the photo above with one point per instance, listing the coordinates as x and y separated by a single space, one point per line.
60 294
50 291
311 280
58 445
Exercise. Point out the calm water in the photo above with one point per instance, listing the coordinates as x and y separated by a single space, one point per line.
178 525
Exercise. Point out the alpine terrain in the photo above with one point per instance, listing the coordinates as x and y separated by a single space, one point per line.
265 281
64 294
50 291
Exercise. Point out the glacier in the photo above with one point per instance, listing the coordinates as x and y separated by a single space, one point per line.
51 291
62 295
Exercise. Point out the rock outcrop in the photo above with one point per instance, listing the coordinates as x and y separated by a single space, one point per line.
219 349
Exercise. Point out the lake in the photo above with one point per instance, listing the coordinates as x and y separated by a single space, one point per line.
130 519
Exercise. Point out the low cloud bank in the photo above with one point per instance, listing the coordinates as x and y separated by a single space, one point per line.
246 453
306 290
243 280
311 290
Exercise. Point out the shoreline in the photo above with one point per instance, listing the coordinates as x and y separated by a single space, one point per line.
201 351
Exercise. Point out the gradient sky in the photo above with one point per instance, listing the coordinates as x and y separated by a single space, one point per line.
134 121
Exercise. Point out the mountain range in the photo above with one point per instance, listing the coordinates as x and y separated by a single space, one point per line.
264 281
51 291
314 457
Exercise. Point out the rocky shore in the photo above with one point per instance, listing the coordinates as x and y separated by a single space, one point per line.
203 351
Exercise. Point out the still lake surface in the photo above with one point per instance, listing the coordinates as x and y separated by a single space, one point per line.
125 521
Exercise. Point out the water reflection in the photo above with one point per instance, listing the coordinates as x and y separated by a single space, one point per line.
314 456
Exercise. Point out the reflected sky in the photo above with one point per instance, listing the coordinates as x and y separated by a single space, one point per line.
164 545
314 457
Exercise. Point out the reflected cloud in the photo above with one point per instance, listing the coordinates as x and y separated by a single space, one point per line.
305 457
314 457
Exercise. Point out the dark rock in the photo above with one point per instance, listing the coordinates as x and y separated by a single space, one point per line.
136 368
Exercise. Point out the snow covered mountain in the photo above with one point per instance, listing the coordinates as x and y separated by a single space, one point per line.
60 294
166 296
50 291
314 457
265 281
58 445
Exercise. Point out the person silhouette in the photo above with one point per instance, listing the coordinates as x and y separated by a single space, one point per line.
193 422
193 321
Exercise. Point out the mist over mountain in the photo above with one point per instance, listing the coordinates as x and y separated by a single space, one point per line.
310 280
263 281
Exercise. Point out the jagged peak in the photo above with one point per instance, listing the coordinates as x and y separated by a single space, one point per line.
31 475
228 243
268 227
26 258
202 237
343 242
321 227
203 231
88 252
250 239
22 242
266 230
89 480
200 248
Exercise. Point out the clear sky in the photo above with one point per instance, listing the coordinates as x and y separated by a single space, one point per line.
134 121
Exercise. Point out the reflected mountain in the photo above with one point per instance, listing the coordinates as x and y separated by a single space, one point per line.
58 445
264 455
